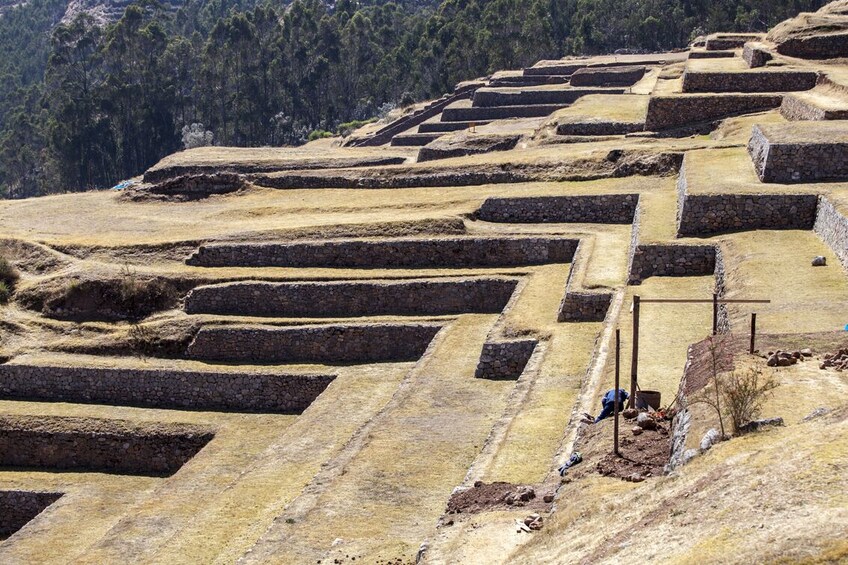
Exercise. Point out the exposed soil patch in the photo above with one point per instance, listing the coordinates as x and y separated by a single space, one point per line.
484 497
642 456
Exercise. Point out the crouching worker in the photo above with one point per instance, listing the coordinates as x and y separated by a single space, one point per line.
608 405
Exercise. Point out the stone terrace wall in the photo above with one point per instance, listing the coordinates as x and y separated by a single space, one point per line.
593 127
18 507
485 98
505 359
478 114
755 55
391 253
610 76
710 214
590 209
87 444
584 307
795 108
816 47
832 227
786 162
711 54
668 112
669 260
163 388
328 344
343 299
751 81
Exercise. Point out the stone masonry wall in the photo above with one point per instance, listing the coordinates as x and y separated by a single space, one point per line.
795 108
832 227
584 307
478 114
801 162
350 298
819 46
592 127
505 360
709 214
593 209
458 252
755 55
487 98
163 388
17 507
750 81
87 444
326 344
668 112
670 260
610 76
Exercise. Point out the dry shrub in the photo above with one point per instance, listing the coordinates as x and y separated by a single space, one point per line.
745 392
8 279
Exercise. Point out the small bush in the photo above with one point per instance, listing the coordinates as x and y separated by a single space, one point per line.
5 293
319 134
745 393
348 128
8 279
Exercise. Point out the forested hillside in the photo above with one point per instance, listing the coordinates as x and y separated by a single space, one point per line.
83 105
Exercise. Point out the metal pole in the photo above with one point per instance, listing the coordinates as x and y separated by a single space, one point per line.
634 363
617 386
753 331
715 313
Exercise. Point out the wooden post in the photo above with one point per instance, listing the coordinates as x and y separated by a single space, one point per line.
634 363
617 386
753 331
715 313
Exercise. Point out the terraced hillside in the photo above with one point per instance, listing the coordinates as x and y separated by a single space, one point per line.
322 354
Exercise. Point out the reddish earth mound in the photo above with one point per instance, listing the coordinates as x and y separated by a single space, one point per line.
483 497
642 456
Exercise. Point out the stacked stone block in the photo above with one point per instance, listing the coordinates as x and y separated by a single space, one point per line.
608 76
352 298
17 507
87 444
799 108
459 252
832 227
756 55
590 209
749 81
325 344
584 307
796 154
163 388
669 112
505 360
670 260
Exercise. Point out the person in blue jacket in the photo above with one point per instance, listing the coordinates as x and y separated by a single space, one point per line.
608 403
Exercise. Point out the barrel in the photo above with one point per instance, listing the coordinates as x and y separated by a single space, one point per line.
645 398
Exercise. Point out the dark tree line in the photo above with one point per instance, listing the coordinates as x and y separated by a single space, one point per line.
84 106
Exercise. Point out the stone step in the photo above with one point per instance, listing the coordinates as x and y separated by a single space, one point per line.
454 252
821 103
419 297
477 115
447 127
535 96
165 386
100 445
800 152
415 139
330 344
528 80
608 76
749 81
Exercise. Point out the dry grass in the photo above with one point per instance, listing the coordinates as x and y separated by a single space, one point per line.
606 108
